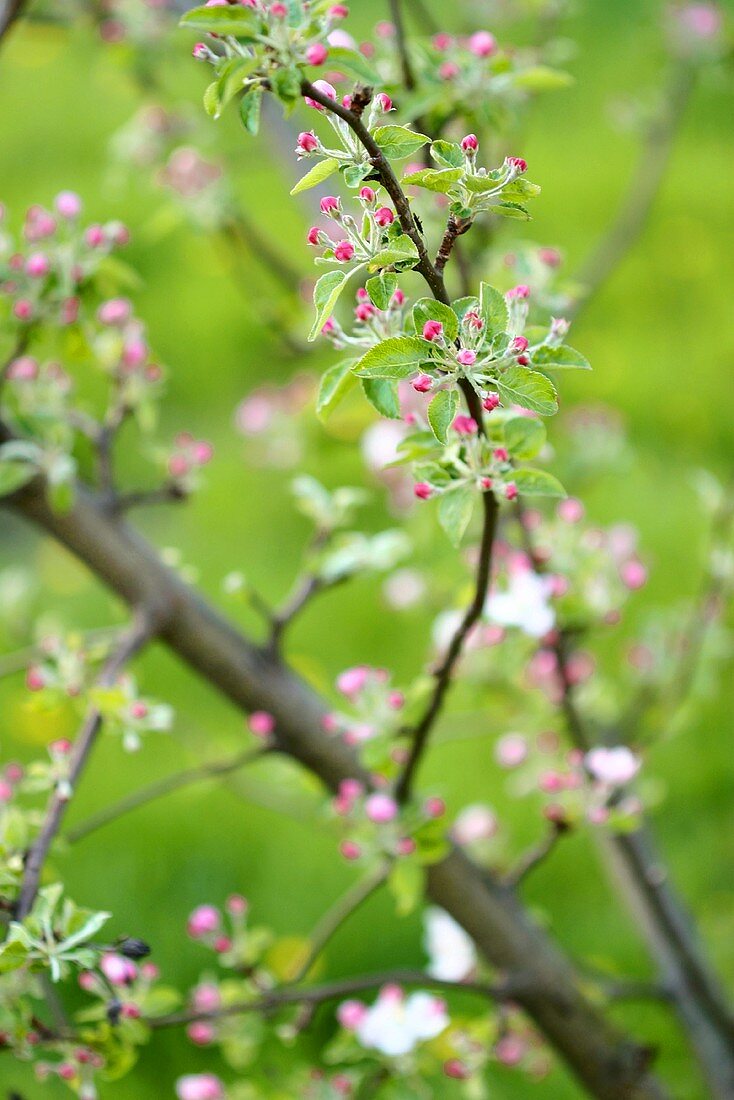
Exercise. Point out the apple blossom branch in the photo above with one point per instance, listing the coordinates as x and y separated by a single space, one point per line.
140 631
669 932
396 13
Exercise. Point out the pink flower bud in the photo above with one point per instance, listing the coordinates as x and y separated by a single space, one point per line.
307 141
261 723
199 1086
23 309
470 143
116 311
483 44
94 236
34 679
279 10
313 235
364 311
448 70
130 1011
384 216
519 343
329 204
6 790
435 807
381 808
456 1069
433 330
522 292
201 1033
467 357
366 194
236 905
551 257
201 52
353 680
633 574
344 251
222 945
511 491
326 89
422 490
398 298
117 969
317 54
473 320
500 454
509 1050
383 101
68 204
570 510
206 997
422 384
350 1014
138 709
491 401
66 1071
517 164
350 850
62 746
338 11
37 265
203 920
465 425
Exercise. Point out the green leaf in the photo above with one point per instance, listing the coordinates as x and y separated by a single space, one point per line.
434 179
316 175
250 105
405 882
232 78
441 413
561 358
325 296
428 309
212 102
383 395
455 509
400 250
529 389
493 309
336 383
524 436
381 288
541 78
355 173
286 83
448 154
355 62
13 475
396 358
239 21
520 189
479 185
512 210
538 483
397 142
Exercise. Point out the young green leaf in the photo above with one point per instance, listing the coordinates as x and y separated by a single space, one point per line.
336 383
455 509
538 483
13 475
316 175
406 884
512 210
441 413
382 394
397 142
396 358
381 288
250 105
561 358
434 179
448 154
400 250
239 21
212 101
524 436
325 296
541 78
528 388
493 309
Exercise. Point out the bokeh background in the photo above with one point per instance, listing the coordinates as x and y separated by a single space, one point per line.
660 335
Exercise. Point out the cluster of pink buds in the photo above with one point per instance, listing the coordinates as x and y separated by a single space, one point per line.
187 458
376 822
376 704
372 325
464 58
362 241
200 1086
77 1069
227 937
44 278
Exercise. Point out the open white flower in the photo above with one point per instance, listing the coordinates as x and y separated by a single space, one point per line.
525 604
394 1024
451 951
615 766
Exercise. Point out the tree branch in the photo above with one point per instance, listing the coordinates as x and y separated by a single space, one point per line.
133 640
10 11
396 14
611 1066
536 855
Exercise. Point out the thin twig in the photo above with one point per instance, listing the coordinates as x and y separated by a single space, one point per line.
170 783
134 639
329 991
339 913
396 13
536 855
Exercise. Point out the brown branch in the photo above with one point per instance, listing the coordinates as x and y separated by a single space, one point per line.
131 642
396 14
215 769
11 11
668 930
536 855
455 227
610 1066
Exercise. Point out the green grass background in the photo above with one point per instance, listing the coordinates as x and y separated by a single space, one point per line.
660 336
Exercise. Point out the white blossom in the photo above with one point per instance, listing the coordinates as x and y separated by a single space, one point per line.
450 950
395 1024
524 604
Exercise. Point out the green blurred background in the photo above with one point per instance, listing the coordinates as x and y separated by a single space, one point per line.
660 336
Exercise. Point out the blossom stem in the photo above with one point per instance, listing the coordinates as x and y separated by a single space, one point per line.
536 855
